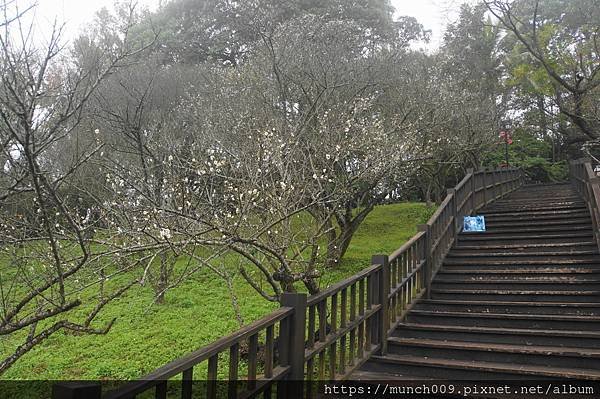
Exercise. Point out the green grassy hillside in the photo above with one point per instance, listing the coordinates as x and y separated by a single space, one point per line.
198 312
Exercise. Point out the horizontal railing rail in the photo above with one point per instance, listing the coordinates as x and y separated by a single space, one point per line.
587 185
331 334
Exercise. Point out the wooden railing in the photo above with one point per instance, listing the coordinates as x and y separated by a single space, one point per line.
278 334
587 184
330 334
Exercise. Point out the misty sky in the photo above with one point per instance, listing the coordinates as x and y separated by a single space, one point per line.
433 14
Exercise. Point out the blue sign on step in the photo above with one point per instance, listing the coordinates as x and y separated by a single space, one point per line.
474 224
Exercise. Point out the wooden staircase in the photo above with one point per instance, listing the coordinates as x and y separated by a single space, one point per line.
520 301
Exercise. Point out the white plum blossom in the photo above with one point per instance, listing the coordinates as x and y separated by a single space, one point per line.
165 233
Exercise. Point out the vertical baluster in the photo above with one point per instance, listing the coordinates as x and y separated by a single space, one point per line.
402 294
343 323
361 312
187 379
484 183
369 321
332 360
361 296
344 308
471 189
352 349
334 312
394 266
161 390
252 364
406 263
211 387
333 346
322 320
393 285
322 365
419 250
428 266
311 326
310 364
453 216
394 308
269 351
493 181
361 340
234 359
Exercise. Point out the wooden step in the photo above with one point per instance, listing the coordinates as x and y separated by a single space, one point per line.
577 308
474 370
362 375
560 296
518 284
471 273
588 245
552 206
523 336
519 203
530 237
553 254
533 229
557 213
556 356
501 320
516 267
549 261
493 225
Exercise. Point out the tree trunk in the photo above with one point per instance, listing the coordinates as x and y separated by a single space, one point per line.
339 241
234 301
163 279
437 195
544 123
336 248
428 201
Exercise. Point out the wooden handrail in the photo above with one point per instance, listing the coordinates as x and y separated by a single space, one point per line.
337 287
406 245
586 184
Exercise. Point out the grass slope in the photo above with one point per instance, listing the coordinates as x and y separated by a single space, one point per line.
198 312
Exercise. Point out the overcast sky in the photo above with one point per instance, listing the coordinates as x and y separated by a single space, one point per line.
433 14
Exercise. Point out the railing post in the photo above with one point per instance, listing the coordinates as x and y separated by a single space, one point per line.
499 183
592 199
454 209
292 343
521 177
494 181
428 258
384 292
77 390
472 172
484 188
